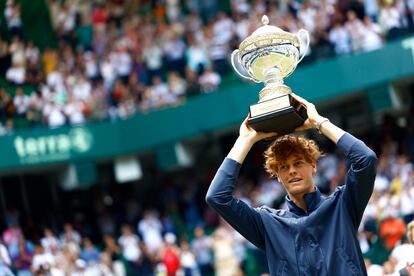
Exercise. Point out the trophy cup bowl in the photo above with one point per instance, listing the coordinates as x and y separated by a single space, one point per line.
269 55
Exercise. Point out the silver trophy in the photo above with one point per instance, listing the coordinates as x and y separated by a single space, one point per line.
269 55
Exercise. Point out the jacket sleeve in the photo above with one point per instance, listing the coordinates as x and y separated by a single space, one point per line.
360 178
245 219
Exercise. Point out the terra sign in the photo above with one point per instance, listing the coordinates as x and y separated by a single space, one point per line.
53 147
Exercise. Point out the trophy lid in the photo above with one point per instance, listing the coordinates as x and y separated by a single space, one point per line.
267 35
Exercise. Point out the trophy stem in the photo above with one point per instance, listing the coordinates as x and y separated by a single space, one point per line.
274 86
273 76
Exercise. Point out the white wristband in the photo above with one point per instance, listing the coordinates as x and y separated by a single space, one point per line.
319 124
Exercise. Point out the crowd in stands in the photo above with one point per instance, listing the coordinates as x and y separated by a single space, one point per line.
115 58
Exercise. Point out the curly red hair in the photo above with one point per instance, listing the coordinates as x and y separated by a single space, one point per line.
287 145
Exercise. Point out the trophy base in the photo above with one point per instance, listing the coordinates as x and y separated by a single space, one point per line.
282 115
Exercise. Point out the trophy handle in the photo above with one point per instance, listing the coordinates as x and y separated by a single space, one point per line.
233 63
307 42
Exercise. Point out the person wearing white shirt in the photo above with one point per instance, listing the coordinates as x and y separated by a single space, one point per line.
151 230
152 55
73 110
42 261
390 20
209 81
21 102
307 15
339 37
49 242
54 115
5 261
16 74
122 63
404 253
356 30
372 38
82 89
130 244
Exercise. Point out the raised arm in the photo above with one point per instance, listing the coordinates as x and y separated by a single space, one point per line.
361 175
243 218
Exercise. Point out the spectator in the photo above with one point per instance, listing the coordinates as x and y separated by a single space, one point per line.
5 261
49 242
13 17
70 235
152 54
174 53
403 253
88 252
371 9
42 261
389 20
16 74
187 260
202 248
129 243
356 31
392 229
339 37
170 255
372 37
150 229
197 56
23 261
176 85
225 259
209 80
21 103
108 267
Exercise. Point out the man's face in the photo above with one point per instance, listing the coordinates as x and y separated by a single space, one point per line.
296 174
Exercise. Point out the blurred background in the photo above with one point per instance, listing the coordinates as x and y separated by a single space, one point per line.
115 115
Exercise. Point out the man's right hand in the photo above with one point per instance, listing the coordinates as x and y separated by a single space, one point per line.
251 135
247 137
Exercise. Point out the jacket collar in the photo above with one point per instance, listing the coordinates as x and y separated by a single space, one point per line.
313 200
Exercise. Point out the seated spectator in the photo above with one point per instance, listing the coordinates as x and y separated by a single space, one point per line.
372 38
340 39
54 115
392 229
89 253
23 261
49 242
42 261
209 81
13 17
16 74
70 235
130 244
5 261
390 20
356 31
403 253
176 85
21 103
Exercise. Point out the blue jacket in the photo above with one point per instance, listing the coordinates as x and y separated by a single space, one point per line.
321 241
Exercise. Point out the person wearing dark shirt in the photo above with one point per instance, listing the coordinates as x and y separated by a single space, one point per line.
317 234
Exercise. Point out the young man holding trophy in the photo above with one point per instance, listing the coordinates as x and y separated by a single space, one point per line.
316 235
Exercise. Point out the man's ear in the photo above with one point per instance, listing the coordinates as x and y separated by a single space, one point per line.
313 167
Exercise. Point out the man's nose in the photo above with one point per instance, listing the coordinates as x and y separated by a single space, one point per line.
292 170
